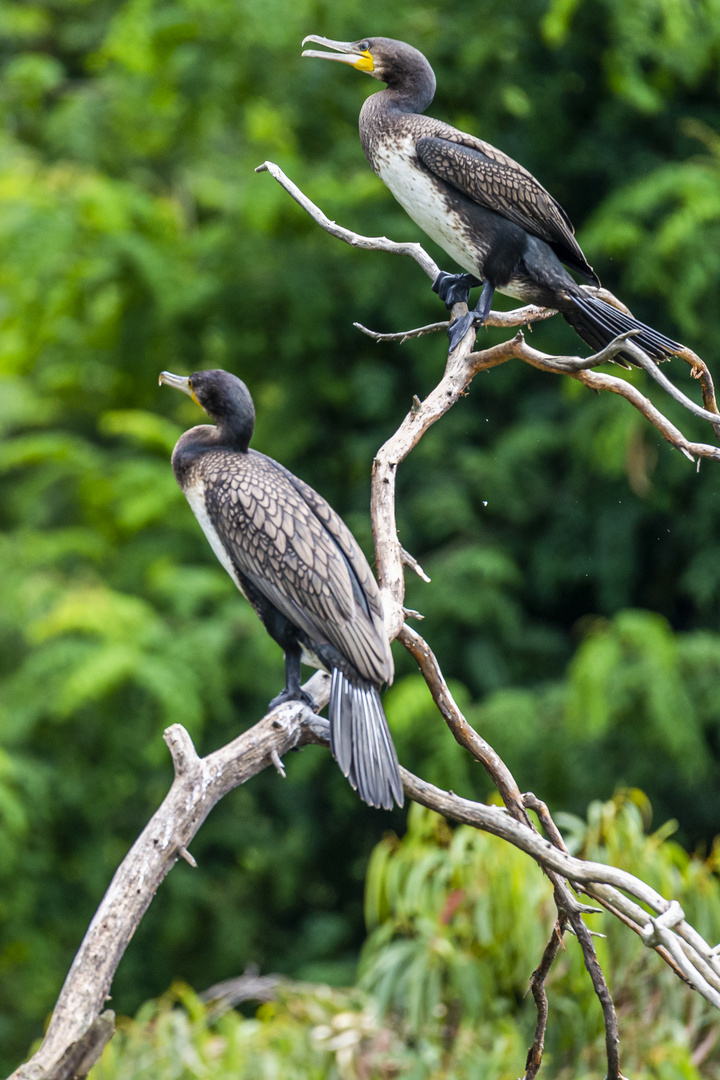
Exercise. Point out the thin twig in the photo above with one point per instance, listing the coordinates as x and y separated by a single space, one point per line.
460 728
189 859
531 802
368 243
411 561
523 316
537 988
612 1039
574 914
403 335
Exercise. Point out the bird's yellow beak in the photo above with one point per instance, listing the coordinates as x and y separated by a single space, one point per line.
180 382
348 50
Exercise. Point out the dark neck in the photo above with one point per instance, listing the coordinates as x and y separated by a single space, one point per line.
235 432
413 95
230 437
409 78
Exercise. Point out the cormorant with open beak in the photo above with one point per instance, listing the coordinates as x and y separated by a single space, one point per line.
487 212
301 569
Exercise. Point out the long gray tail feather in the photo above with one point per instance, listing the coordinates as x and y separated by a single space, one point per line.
361 743
598 323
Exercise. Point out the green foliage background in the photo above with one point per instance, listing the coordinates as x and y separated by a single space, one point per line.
575 558
454 915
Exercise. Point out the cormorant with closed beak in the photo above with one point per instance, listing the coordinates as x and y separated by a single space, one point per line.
301 569
489 213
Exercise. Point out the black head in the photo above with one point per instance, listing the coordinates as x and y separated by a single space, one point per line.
403 68
225 398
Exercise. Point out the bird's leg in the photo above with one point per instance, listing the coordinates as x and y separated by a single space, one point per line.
292 691
458 329
454 288
482 309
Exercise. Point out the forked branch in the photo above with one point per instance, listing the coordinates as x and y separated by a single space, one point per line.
198 785
692 959
78 1028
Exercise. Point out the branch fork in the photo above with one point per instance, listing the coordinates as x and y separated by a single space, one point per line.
78 1030
680 945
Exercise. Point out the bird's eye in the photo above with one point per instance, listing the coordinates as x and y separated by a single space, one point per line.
364 45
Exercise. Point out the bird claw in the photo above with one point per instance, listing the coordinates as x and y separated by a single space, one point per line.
454 288
291 695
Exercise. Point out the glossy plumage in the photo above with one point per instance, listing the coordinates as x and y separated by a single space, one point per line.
487 211
300 568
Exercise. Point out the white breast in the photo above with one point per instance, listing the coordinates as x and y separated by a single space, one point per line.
195 495
420 196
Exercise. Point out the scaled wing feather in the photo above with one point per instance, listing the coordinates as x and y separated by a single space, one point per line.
295 550
496 182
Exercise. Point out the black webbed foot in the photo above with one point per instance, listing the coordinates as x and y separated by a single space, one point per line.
458 329
454 288
291 695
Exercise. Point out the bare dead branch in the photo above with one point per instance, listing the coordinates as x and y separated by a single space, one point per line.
460 728
531 802
199 784
505 782
77 1031
686 952
597 380
602 881
523 316
578 368
537 988
655 372
403 335
612 1039
368 243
